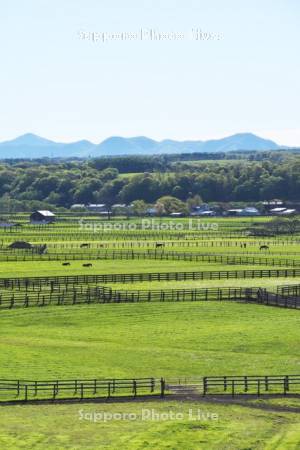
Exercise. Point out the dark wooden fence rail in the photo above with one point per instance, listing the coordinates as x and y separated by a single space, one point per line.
66 281
65 235
235 385
25 390
44 234
150 254
292 290
168 243
16 391
100 294
276 299
128 242
278 384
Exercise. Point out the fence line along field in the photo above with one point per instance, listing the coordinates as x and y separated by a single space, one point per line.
93 309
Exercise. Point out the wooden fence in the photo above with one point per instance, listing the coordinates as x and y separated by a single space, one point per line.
278 384
67 280
235 385
26 390
22 391
99 294
292 290
276 299
64 234
129 244
149 254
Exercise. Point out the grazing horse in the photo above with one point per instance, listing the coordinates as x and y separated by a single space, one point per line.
87 265
85 245
264 247
159 244
66 264
42 249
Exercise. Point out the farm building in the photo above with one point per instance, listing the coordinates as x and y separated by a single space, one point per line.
234 212
202 210
20 245
42 217
176 214
78 206
288 212
97 207
248 211
209 213
199 211
277 210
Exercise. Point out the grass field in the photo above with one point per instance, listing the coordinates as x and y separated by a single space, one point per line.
270 283
173 339
47 268
182 339
237 427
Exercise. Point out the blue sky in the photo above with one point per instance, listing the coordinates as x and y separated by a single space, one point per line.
55 84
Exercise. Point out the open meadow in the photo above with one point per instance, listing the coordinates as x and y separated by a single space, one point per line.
177 305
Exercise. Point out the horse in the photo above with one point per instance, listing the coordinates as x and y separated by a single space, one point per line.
264 247
85 245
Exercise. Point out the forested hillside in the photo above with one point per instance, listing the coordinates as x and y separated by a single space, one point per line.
62 183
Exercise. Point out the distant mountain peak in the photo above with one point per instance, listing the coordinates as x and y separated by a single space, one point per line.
30 145
29 139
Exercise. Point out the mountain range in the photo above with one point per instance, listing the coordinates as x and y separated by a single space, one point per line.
32 146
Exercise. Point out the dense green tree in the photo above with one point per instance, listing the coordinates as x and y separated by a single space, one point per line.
243 177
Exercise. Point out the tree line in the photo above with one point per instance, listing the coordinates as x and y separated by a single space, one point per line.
61 183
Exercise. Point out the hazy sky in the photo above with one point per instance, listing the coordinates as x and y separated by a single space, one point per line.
58 85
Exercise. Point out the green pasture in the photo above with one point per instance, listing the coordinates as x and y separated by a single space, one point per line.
70 427
150 339
87 223
268 283
109 266
136 340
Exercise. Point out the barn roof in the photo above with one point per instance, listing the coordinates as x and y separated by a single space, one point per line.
46 213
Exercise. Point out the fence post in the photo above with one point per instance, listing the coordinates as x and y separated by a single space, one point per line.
286 384
232 388
162 387
152 384
26 393
204 386
246 383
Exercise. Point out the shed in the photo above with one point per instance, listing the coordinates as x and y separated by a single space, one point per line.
97 207
20 245
42 217
250 211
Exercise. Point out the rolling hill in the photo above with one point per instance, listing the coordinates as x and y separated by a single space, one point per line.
32 146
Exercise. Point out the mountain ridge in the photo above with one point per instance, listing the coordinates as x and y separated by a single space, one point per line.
30 146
